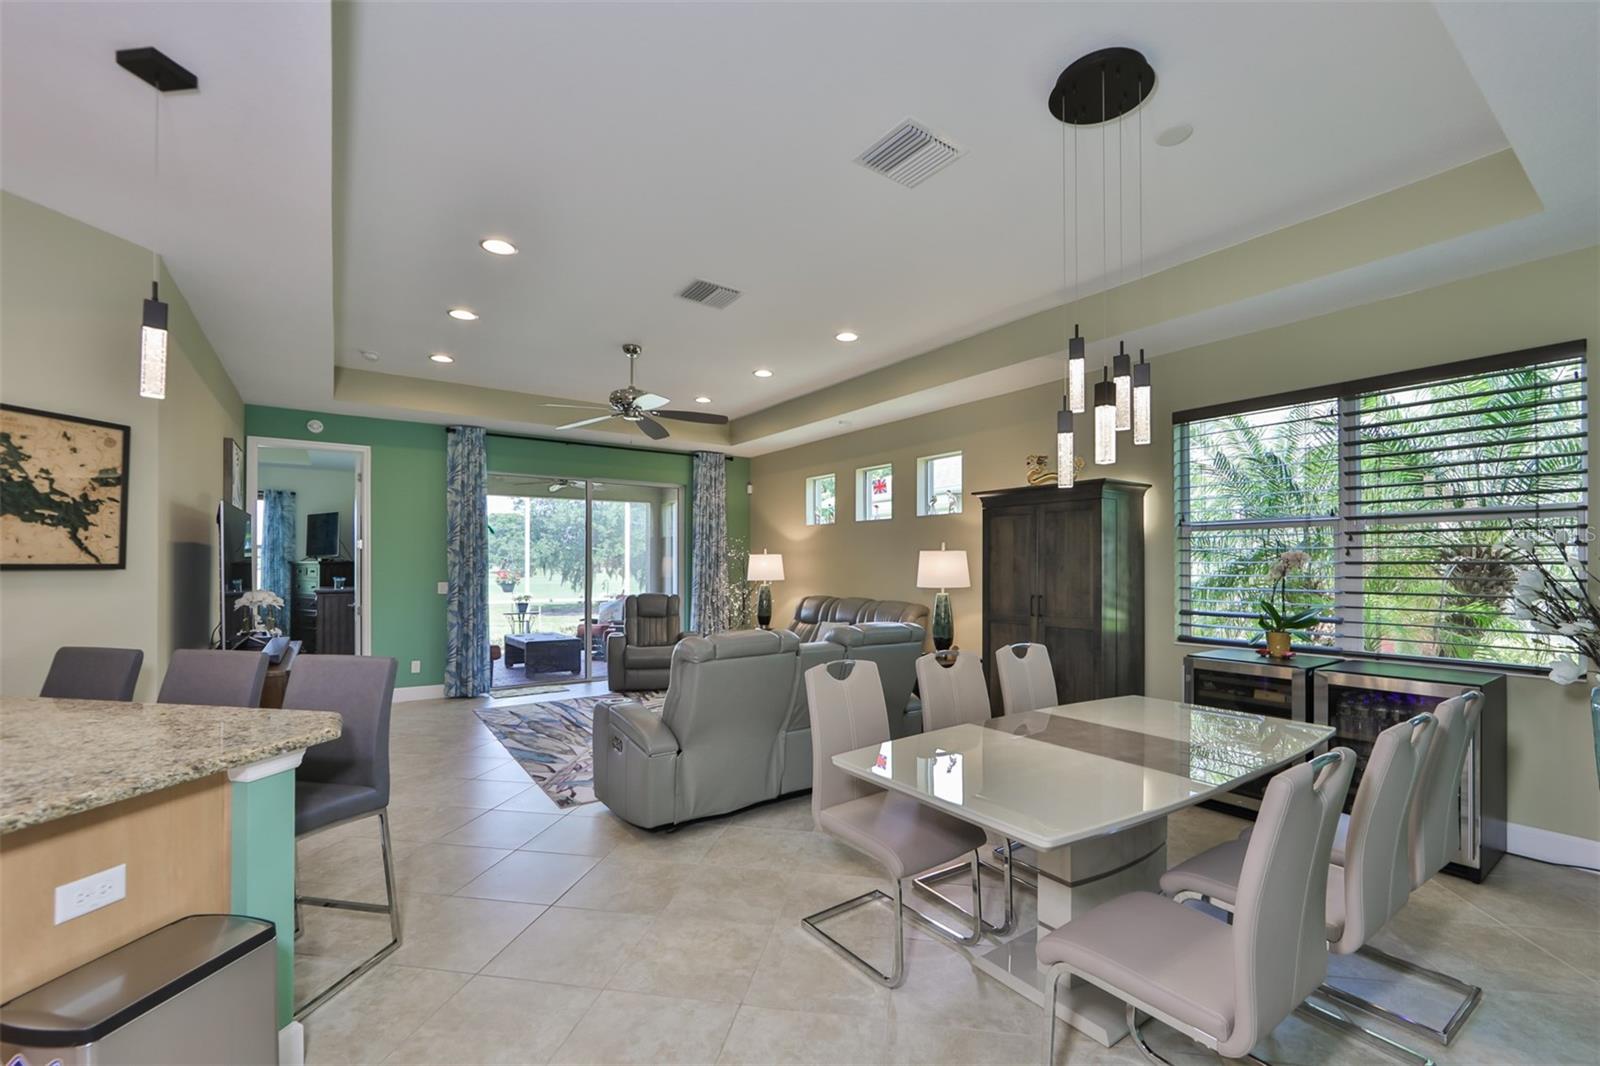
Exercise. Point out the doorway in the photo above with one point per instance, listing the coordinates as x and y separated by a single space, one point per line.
564 555
308 504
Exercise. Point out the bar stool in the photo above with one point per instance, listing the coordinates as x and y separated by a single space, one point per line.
93 674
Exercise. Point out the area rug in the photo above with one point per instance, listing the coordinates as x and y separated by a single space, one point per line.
553 741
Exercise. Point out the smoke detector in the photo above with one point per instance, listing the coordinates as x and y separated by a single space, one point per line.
910 154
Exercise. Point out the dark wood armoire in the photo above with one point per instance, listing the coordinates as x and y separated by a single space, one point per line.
1065 568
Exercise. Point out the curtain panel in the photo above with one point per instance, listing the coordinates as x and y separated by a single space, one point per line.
708 569
277 547
466 663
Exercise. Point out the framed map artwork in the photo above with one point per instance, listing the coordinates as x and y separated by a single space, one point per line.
63 491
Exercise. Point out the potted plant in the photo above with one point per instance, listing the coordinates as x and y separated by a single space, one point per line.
255 601
506 580
1277 619
522 604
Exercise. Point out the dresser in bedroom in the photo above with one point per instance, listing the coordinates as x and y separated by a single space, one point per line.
1065 568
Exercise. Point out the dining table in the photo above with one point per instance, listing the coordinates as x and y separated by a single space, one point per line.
1085 789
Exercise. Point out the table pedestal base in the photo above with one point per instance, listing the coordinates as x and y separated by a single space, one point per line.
1073 880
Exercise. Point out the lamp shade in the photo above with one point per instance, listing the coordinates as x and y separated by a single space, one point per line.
765 567
943 570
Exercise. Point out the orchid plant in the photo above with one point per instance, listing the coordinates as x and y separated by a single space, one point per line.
1555 593
254 601
1276 617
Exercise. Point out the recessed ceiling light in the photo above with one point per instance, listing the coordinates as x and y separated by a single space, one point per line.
702 399
442 357
763 373
496 246
371 357
846 337
461 314
1173 136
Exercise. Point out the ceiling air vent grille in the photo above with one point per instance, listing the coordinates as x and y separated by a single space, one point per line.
910 154
709 293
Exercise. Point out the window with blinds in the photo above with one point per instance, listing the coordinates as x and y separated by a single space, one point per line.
1401 490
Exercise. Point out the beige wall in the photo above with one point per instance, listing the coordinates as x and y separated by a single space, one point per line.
1552 771
69 307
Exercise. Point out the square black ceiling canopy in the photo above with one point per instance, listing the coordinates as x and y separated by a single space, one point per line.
153 66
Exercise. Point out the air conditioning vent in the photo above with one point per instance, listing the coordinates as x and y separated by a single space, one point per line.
709 293
910 154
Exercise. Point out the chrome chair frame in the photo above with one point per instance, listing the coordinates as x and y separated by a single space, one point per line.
924 883
1052 979
1471 996
893 979
391 908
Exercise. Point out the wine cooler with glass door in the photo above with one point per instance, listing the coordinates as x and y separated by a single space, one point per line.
1362 699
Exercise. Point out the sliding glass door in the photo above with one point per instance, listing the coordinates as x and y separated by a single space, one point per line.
564 554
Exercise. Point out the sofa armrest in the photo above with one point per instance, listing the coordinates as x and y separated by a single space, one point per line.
642 726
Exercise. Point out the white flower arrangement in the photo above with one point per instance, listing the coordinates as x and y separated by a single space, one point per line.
1554 592
256 599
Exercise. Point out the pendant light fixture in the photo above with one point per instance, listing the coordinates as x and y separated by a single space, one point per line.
1122 378
151 66
1141 400
1105 420
1066 460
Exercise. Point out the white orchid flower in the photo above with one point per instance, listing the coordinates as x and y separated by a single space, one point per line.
1561 536
1531 580
1565 670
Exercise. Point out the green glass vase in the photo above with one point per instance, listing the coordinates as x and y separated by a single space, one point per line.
944 626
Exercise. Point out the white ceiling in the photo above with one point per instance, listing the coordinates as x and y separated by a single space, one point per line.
628 149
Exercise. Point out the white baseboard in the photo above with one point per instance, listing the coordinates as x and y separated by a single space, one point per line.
1547 846
292 1045
412 693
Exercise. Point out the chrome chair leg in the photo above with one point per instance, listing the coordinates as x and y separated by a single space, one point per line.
1052 978
1471 996
955 936
895 977
1335 1020
391 908
925 882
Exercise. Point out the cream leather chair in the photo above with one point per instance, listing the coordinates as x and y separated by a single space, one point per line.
901 835
955 693
1433 837
1170 961
1026 681
1375 880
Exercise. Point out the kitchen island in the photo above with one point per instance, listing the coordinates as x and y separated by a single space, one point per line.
195 804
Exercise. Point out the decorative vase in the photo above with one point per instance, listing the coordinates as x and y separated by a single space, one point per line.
1278 646
944 626
764 605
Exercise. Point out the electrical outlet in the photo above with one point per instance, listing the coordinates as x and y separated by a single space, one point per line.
416 666
444 588
90 893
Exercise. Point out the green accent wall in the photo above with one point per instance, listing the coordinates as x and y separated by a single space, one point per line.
262 858
407 525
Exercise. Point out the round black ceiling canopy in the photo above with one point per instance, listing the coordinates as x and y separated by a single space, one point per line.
1123 75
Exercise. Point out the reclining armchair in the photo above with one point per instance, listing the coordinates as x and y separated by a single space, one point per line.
713 745
640 657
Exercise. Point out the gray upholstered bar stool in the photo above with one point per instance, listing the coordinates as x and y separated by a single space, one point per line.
1375 880
93 674
346 779
214 678
1027 682
1225 986
955 693
1433 837
903 836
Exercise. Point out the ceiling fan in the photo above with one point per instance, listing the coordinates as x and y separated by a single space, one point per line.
633 404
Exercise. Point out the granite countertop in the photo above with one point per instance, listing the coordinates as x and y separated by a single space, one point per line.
63 757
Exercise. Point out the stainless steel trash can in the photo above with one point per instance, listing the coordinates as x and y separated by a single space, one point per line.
199 992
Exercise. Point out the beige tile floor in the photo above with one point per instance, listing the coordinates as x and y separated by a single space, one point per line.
534 935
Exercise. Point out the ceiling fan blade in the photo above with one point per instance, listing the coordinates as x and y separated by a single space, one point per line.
649 401
693 416
653 429
586 422
578 406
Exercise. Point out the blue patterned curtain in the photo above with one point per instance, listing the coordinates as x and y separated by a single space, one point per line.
708 567
277 546
466 662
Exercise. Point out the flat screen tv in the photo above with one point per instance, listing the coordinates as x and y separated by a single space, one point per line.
322 535
235 571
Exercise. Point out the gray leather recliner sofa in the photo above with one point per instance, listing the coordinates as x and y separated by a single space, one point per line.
715 744
813 613
640 657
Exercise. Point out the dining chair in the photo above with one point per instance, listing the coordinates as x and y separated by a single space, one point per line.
1027 682
93 674
1372 883
217 678
1175 962
954 692
901 835
1432 839
346 779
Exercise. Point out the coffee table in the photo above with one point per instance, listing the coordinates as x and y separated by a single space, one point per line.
540 653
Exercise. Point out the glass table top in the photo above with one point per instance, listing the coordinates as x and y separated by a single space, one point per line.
1055 776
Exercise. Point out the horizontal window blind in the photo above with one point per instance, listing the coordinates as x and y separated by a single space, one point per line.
1400 489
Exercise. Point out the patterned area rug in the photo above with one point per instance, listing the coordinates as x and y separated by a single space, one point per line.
554 742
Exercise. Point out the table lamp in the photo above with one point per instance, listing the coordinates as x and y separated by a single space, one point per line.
766 569
942 570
